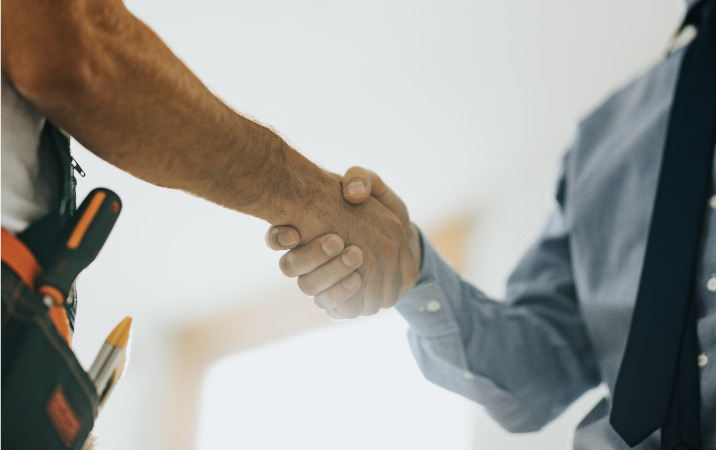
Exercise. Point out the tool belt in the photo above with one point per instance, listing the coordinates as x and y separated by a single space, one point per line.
42 236
48 400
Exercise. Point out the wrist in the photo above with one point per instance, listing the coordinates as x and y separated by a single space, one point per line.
416 246
318 204
288 188
414 260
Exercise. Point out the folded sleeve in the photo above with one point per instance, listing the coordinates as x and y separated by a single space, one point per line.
524 359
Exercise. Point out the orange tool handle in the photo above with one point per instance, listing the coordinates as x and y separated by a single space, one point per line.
85 235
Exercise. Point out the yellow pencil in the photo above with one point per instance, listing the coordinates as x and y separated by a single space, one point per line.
112 359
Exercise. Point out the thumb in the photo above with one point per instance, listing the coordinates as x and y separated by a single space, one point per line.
359 184
282 237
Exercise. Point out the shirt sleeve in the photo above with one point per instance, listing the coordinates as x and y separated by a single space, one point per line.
525 359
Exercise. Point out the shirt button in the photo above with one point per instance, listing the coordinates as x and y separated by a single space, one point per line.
712 202
711 284
468 376
703 360
434 305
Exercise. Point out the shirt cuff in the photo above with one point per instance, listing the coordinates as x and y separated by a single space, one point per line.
426 306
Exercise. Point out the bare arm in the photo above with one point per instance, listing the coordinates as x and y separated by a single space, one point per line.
102 75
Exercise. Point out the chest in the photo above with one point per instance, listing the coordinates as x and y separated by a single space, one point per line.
611 188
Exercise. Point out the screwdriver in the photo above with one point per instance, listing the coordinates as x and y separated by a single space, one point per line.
84 237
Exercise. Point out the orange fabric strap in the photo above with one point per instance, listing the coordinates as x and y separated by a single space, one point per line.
20 259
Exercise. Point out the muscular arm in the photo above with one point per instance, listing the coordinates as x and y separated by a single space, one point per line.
102 75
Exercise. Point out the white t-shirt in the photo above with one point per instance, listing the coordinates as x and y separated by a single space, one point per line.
29 169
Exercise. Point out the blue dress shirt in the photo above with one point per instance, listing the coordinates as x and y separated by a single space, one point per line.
563 326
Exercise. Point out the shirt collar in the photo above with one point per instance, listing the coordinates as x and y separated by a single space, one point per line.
690 3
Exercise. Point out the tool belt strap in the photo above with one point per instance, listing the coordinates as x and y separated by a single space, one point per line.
20 259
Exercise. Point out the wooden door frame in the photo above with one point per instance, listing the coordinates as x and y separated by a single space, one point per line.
281 315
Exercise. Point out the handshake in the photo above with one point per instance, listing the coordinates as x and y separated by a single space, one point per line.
368 262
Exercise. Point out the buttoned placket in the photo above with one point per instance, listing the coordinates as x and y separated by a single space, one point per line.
703 359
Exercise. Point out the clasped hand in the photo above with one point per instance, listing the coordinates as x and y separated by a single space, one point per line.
371 261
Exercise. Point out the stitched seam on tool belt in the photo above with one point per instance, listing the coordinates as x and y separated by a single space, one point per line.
62 350
11 303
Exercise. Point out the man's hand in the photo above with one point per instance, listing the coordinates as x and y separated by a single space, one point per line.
359 279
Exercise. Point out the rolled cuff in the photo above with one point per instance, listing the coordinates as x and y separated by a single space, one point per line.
426 306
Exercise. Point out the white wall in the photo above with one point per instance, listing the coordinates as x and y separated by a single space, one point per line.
463 107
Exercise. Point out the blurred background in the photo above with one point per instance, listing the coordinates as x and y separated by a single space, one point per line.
463 107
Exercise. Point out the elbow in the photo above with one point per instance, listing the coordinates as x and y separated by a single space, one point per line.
525 412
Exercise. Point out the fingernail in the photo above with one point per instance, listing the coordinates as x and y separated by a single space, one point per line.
331 246
351 283
355 188
351 257
286 239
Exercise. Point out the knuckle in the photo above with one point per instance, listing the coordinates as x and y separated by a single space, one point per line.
370 311
306 286
389 303
349 310
320 304
329 299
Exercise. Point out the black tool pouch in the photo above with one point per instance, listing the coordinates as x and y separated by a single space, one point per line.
48 400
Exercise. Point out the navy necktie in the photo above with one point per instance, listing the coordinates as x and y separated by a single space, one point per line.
658 382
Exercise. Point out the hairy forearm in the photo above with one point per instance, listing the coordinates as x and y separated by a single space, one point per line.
109 81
